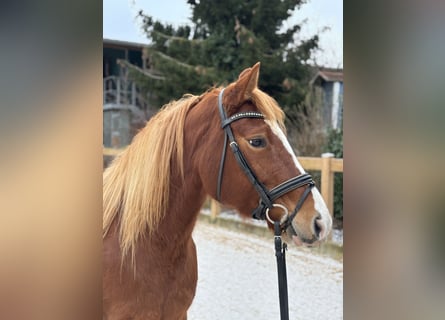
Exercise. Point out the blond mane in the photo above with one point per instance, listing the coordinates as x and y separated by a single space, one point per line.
268 106
136 185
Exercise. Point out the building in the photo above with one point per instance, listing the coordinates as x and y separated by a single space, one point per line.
327 92
125 109
113 50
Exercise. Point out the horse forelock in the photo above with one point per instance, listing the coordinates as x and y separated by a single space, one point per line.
268 107
136 186
265 104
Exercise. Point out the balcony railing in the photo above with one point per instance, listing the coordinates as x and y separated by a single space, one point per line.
120 91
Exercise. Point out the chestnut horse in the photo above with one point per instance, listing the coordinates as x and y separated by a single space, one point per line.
153 192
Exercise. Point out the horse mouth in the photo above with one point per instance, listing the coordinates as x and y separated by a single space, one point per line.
309 244
299 241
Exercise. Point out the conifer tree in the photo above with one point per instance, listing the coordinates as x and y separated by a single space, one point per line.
222 39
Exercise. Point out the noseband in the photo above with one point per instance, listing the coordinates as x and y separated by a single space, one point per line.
267 197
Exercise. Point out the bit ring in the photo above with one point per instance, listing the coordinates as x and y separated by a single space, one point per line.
277 205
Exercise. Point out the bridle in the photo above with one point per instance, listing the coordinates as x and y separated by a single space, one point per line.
267 197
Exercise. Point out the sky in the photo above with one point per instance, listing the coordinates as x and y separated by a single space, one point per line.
120 23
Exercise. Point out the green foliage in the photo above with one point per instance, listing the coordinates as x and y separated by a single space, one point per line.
225 37
335 145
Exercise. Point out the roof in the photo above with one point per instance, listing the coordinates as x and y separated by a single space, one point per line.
329 75
123 44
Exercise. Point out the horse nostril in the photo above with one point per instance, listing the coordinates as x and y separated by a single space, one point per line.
318 227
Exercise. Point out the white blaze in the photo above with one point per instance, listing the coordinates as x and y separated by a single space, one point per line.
280 134
319 204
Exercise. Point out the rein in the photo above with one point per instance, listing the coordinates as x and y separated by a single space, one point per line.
267 197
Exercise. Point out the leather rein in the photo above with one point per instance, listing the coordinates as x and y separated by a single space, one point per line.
267 197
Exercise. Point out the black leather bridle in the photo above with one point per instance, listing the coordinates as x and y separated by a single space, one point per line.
267 197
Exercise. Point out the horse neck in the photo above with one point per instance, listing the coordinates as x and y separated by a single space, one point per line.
185 201
186 198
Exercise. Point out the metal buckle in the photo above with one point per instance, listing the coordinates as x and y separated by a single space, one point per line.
277 205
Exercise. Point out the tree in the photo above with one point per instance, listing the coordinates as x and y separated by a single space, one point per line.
225 37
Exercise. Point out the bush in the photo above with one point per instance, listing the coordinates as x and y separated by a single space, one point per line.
335 145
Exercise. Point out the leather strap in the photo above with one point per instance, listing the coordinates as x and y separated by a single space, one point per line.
288 222
282 189
242 162
291 184
280 254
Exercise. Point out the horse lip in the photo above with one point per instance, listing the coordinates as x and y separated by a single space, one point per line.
299 241
294 236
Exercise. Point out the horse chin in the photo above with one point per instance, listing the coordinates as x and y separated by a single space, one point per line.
290 232
297 240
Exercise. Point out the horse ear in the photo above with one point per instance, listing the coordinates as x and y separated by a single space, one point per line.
242 89
244 72
247 82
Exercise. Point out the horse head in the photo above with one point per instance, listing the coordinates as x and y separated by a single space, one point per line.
256 124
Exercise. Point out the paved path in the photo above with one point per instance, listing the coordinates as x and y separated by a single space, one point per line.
238 280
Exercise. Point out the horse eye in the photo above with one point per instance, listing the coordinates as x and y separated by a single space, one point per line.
257 142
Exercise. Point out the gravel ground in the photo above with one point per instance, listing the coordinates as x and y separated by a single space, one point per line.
238 279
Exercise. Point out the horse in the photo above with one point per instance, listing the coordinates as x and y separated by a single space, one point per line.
153 192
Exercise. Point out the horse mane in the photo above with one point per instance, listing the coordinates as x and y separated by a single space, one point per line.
136 185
